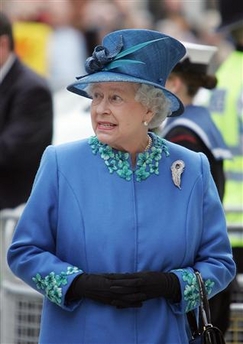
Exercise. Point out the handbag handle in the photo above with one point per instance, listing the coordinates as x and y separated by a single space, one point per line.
205 333
204 304
204 310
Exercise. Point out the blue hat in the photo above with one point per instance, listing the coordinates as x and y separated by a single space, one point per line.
131 55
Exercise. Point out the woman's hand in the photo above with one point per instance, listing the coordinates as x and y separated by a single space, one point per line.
151 284
98 287
125 290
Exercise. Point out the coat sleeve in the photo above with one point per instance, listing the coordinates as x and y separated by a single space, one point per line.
31 255
213 256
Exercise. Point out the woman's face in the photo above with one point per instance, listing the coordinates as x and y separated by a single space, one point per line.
117 118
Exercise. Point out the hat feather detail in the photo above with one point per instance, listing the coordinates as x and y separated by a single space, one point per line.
102 59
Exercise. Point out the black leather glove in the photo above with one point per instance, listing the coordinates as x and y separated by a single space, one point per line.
152 284
98 287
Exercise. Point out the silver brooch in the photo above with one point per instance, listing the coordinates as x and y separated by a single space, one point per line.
177 169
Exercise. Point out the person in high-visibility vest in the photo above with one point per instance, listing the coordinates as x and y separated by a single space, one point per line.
226 107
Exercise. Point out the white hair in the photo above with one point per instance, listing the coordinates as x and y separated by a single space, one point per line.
154 99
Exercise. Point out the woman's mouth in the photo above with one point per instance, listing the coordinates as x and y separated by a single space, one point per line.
105 125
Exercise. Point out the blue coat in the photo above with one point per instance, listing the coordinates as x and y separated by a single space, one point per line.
82 216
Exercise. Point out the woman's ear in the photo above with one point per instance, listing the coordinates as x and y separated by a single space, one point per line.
149 115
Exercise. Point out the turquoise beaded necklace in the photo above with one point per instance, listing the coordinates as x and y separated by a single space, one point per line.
118 162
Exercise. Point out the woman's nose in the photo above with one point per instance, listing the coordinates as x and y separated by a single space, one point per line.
103 106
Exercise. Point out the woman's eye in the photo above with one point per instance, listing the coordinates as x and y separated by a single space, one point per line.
116 98
96 95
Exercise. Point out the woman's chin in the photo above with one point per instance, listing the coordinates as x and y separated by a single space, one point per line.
103 137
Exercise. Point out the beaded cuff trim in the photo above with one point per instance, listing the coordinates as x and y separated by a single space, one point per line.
118 162
52 283
191 289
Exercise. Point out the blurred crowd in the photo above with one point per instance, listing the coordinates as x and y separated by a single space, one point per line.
55 37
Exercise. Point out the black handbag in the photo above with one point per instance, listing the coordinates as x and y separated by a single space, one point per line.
202 330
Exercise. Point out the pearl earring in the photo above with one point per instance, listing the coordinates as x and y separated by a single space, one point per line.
145 123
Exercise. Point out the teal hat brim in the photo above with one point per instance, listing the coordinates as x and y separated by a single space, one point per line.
79 87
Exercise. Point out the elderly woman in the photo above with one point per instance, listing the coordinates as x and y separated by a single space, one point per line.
117 224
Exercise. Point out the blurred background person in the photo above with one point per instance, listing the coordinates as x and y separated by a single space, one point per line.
66 45
30 32
26 121
185 20
196 131
49 39
100 18
226 106
171 18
